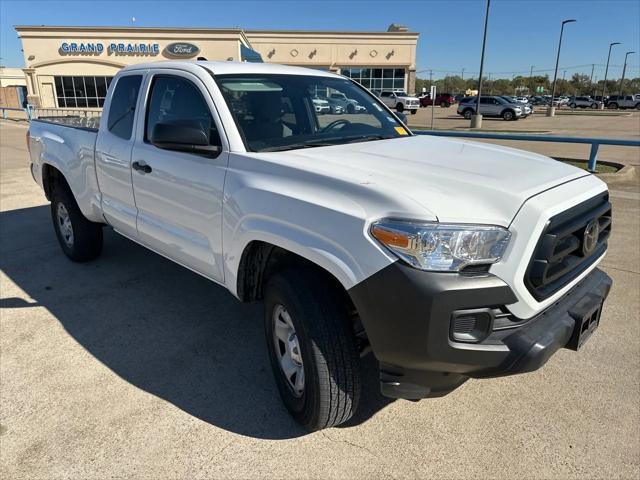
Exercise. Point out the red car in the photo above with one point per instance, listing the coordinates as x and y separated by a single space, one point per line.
445 100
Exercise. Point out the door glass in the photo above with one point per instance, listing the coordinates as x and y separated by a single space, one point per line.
123 106
177 100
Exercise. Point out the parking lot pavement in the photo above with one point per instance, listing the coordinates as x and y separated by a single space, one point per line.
578 123
131 366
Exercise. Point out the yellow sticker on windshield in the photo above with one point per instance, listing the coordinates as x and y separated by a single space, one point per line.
401 131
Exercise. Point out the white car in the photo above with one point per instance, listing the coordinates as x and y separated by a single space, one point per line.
437 255
583 102
321 105
400 101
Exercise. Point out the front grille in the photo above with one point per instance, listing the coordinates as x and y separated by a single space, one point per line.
561 254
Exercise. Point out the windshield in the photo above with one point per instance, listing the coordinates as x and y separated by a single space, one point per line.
282 112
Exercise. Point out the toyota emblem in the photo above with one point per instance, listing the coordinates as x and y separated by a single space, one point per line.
590 237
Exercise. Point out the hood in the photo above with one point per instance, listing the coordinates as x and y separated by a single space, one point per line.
454 180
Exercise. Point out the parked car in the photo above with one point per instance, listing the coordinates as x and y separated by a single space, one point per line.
526 108
445 100
583 102
623 101
491 106
400 101
321 105
446 259
537 100
522 99
348 105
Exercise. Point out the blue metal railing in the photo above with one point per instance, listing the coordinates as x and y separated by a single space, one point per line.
595 142
27 110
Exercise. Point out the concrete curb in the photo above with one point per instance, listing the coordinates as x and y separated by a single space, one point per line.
625 174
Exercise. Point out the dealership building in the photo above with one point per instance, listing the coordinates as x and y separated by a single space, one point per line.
71 67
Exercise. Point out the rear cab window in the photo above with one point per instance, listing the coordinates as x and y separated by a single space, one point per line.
123 106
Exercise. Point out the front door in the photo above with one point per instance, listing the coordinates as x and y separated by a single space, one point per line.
178 194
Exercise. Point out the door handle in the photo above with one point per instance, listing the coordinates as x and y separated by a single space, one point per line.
141 167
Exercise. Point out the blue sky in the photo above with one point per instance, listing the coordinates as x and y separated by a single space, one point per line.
521 32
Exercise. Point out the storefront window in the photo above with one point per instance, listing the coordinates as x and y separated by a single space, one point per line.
377 79
81 92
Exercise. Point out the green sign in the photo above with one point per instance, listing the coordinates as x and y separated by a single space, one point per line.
539 89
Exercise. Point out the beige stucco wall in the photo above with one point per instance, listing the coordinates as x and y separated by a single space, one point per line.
331 50
336 49
12 77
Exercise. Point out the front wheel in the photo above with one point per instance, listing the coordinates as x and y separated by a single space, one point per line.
594 106
80 239
612 106
573 105
312 349
414 111
400 107
508 115
468 113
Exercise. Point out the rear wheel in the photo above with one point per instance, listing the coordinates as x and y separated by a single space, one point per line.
312 349
573 105
80 239
351 108
637 106
413 112
594 106
612 105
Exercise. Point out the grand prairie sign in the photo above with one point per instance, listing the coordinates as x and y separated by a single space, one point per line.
181 50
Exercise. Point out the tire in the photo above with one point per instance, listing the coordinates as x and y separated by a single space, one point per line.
594 106
414 111
637 106
612 105
80 239
508 115
467 114
573 105
351 108
444 105
400 107
325 343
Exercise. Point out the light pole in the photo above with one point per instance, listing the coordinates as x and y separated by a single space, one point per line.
531 80
606 71
551 111
624 70
476 120
593 66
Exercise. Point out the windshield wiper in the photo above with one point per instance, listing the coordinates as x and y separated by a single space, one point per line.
295 146
369 138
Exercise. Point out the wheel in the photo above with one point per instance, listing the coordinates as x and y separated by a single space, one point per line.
80 239
351 108
400 107
637 106
444 104
508 115
468 113
573 105
594 106
312 349
413 112
612 105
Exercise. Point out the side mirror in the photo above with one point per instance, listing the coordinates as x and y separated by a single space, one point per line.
183 136
402 117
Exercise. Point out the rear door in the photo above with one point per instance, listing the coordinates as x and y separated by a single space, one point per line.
113 153
179 194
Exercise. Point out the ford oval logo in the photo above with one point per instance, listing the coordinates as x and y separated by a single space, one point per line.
590 237
181 50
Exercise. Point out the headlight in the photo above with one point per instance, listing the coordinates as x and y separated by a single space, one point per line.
442 247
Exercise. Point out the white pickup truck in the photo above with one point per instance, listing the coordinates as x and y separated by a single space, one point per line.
447 259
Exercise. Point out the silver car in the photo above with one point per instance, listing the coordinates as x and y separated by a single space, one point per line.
491 107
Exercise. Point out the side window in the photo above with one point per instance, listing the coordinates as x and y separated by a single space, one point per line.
123 106
175 100
385 94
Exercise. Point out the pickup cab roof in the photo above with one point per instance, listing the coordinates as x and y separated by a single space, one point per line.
225 68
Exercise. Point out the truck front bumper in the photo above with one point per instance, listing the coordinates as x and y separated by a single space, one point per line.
410 320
